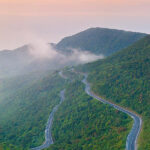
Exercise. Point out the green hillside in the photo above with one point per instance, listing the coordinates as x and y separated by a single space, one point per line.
100 40
124 78
24 112
80 123
83 123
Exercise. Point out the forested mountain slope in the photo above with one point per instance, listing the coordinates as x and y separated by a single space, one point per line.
124 78
83 123
100 40
24 113
25 110
26 101
27 59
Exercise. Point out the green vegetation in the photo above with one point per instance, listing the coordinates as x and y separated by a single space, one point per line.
24 112
124 78
100 40
83 123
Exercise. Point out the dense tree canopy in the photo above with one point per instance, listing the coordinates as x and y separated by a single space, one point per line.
84 123
125 79
100 40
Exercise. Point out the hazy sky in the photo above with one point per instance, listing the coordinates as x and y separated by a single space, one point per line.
23 21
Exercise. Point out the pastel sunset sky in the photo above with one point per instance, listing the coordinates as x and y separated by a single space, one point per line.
22 21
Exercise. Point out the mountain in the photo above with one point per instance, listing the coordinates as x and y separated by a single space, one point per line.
94 40
13 61
99 40
81 122
124 78
22 61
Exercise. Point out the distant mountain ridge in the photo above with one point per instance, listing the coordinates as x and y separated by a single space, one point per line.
100 40
12 61
81 122
95 40
21 61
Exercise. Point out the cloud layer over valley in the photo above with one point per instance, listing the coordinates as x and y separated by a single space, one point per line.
41 50
41 56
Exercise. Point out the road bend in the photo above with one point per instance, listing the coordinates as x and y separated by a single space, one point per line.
48 135
131 142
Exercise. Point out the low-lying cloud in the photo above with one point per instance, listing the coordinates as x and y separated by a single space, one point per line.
40 56
84 56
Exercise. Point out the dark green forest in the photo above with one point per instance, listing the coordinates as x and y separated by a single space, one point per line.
80 123
99 40
124 78
83 123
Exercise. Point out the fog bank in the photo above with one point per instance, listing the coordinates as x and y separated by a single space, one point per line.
41 50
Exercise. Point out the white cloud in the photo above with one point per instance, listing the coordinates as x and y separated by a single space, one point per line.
41 50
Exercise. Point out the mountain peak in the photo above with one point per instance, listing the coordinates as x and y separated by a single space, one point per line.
100 40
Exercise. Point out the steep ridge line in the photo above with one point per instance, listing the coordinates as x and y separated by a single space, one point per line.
131 142
48 135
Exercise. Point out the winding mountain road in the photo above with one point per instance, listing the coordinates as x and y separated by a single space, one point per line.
48 135
131 142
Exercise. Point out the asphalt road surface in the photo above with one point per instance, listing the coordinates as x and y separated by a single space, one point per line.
131 142
48 135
